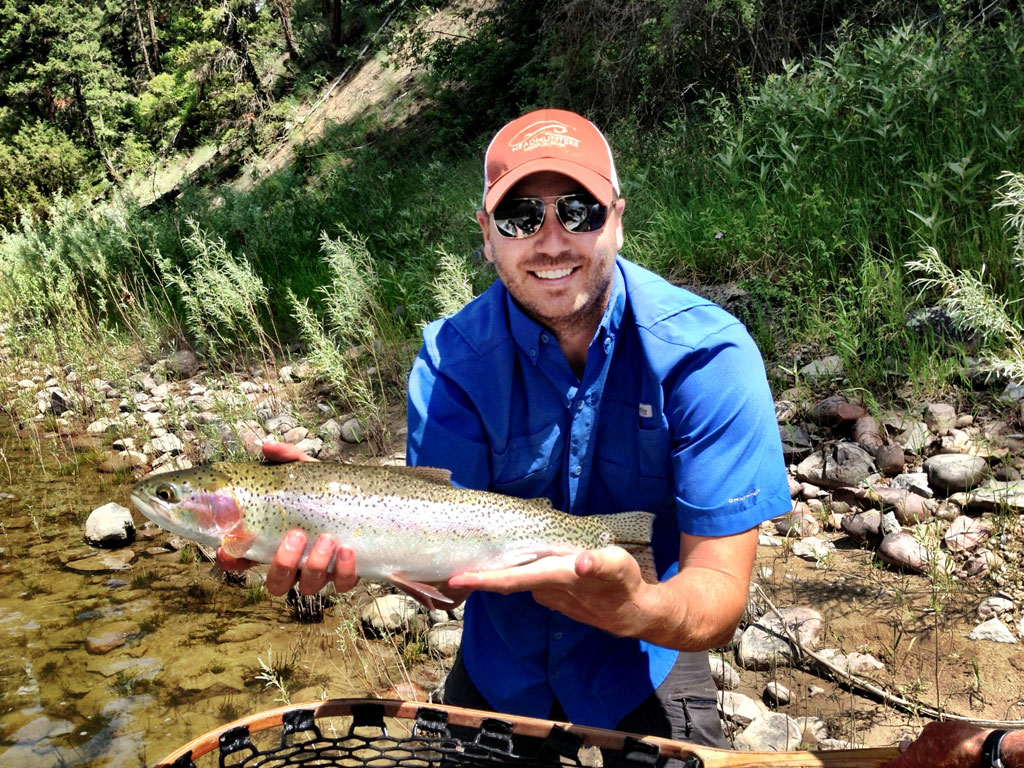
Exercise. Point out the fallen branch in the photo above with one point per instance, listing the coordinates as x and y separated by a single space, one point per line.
907 705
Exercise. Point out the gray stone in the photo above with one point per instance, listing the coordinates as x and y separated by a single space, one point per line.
281 423
864 526
110 526
311 446
726 678
796 443
445 639
771 732
843 464
777 694
915 438
994 497
183 364
169 443
352 431
812 548
993 606
765 645
331 428
813 730
940 417
890 459
738 708
799 522
391 613
104 562
993 630
953 472
915 482
824 368
852 663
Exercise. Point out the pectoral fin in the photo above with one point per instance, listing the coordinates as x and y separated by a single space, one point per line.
237 541
430 596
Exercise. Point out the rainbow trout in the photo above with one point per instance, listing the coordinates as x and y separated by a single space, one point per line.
407 525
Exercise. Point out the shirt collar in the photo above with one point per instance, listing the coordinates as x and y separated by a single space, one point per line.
529 335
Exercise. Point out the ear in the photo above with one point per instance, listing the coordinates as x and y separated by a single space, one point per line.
620 206
485 227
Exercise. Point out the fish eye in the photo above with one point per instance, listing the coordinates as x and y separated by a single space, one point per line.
167 493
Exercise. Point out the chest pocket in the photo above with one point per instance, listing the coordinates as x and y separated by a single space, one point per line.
529 464
629 448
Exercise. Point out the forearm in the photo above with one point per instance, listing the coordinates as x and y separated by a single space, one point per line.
695 610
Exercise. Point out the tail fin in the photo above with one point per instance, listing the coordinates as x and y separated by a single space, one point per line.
632 531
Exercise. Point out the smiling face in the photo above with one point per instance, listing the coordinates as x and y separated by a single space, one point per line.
559 278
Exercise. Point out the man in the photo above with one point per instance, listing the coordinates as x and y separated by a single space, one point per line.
954 744
582 378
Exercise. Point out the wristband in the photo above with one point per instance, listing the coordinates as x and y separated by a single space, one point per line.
990 750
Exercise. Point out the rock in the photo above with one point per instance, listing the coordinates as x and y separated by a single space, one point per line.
111 637
352 431
391 613
867 434
104 562
843 464
940 417
966 533
993 630
169 443
785 411
764 644
795 487
917 482
864 527
799 522
110 526
241 633
810 491
331 428
281 424
772 731
739 709
993 606
311 446
102 426
981 563
776 694
183 364
822 369
796 443
813 548
813 730
853 663
955 472
890 459
915 438
295 435
726 678
994 497
445 638
904 551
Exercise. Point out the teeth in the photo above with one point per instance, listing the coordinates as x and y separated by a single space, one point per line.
553 274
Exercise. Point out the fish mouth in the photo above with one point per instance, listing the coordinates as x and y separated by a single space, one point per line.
160 513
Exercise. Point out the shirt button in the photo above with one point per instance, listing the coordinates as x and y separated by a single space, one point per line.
607 346
558 635
555 675
544 338
533 353
577 471
579 406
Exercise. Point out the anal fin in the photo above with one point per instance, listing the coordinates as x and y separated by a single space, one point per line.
426 594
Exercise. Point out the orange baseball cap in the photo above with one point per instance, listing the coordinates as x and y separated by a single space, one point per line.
549 140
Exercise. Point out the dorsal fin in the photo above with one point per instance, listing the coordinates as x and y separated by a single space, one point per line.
430 474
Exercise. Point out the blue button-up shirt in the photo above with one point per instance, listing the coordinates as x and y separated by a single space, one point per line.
672 415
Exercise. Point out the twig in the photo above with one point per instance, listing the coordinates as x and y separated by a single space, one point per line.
907 705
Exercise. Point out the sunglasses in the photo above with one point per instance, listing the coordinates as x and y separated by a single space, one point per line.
520 217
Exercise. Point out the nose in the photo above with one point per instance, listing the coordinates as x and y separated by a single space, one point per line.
552 237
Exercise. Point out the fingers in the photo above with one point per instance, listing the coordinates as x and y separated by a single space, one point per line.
277 452
345 577
314 571
284 566
606 564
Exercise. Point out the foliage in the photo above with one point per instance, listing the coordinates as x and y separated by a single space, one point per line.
972 301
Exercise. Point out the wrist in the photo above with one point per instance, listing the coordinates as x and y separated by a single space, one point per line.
1011 749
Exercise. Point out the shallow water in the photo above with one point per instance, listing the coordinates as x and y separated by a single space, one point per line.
187 647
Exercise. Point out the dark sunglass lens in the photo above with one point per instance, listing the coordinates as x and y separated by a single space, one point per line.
581 213
520 217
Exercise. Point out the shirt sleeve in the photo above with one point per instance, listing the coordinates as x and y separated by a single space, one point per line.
445 429
729 470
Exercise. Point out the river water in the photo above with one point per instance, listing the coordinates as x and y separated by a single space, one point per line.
115 658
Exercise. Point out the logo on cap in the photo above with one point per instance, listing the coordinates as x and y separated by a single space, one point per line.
544 133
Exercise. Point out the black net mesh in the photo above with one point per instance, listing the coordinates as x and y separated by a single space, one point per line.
364 740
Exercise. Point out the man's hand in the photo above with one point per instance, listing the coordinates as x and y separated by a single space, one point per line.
953 745
283 572
599 587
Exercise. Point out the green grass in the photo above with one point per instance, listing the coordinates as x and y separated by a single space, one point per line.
811 189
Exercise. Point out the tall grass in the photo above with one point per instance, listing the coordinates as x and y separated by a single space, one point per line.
810 188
